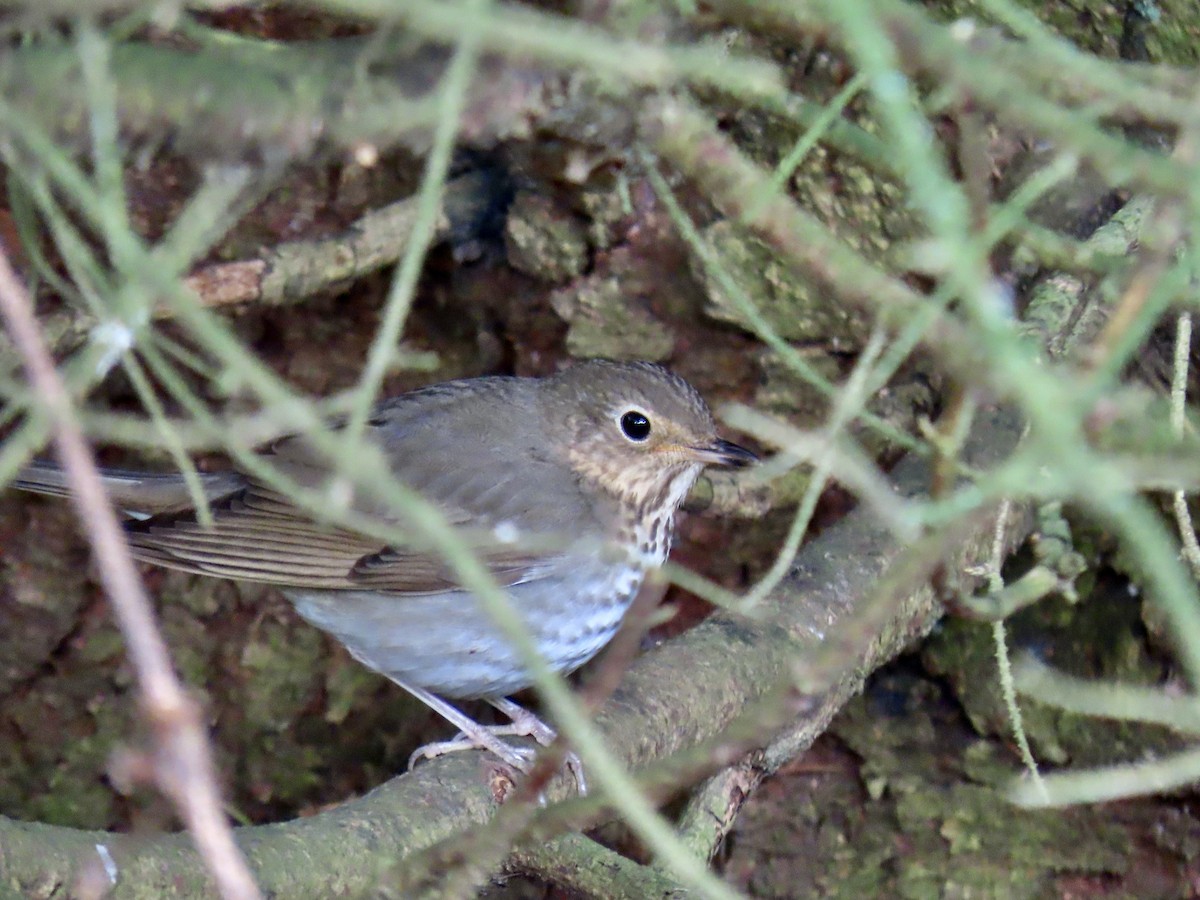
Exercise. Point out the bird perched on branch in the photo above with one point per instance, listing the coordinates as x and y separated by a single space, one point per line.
565 488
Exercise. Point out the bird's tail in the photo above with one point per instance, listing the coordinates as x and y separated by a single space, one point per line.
139 494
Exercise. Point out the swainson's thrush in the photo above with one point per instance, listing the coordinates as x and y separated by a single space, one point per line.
566 488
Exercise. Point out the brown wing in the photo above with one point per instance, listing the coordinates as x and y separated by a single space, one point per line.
255 537
457 447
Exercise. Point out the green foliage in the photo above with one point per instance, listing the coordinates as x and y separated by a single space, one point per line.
845 229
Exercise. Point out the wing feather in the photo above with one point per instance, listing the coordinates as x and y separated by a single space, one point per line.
455 445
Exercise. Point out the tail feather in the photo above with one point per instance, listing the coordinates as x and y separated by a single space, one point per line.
139 494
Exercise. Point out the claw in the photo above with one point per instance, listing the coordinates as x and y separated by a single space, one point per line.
474 736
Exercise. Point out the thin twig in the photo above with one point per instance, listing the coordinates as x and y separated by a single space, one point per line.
713 809
182 762
1003 664
1179 373
582 867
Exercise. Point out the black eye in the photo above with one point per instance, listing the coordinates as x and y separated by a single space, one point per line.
635 425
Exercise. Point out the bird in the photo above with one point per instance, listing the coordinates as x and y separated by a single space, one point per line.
565 487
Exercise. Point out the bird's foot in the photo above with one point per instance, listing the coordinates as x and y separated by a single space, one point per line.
473 736
526 723
519 758
482 737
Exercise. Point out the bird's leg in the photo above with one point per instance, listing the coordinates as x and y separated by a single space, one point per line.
473 735
526 723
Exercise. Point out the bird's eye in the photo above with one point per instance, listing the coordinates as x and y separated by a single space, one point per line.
635 426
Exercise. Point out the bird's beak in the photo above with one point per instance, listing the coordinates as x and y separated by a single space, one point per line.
726 454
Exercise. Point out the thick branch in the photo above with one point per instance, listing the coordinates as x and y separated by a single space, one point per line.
260 100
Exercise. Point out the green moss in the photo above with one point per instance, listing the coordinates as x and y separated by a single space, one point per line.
1175 37
69 731
793 308
278 660
102 645
542 241
345 686
604 321
1100 638
945 833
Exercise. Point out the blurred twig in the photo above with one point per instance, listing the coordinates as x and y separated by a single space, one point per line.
1179 376
297 270
182 762
585 868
